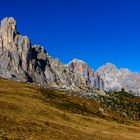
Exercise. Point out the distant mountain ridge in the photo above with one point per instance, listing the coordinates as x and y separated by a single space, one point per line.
118 79
22 61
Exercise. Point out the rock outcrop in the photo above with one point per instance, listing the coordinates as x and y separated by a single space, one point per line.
18 59
14 52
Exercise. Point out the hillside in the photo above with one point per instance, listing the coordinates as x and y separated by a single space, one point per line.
29 112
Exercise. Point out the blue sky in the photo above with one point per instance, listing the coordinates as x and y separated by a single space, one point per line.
97 31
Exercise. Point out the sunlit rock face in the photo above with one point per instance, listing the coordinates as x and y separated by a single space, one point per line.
87 75
18 59
8 31
118 79
14 51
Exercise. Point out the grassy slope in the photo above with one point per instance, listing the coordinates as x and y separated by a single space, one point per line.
30 113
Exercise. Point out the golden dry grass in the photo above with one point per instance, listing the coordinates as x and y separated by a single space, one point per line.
30 113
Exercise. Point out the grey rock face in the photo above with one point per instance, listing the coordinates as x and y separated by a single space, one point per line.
61 74
118 79
86 74
18 59
13 63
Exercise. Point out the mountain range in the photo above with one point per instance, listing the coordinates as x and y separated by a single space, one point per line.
24 62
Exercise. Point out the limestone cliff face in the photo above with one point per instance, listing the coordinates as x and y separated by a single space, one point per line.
14 51
118 79
18 59
86 74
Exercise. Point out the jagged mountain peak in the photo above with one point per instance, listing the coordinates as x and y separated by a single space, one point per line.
78 66
8 22
75 60
111 66
86 73
108 67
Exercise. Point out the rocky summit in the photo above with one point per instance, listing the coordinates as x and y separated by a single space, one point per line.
86 73
116 79
22 61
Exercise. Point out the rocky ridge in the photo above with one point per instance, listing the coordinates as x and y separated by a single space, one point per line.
22 61
116 79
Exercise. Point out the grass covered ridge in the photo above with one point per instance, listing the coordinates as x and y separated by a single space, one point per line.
28 112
